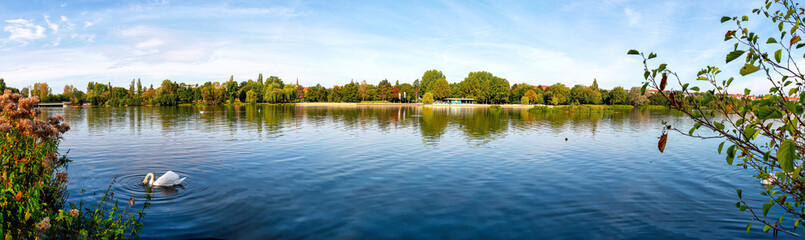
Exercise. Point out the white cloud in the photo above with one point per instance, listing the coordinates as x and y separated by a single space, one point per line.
158 45
88 24
632 16
52 26
89 38
22 31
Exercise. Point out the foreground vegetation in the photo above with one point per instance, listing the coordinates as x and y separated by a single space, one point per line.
765 135
33 199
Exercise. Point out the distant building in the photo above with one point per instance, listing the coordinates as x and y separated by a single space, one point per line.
458 100
653 91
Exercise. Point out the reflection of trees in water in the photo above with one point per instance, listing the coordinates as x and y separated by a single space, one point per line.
104 118
483 123
277 117
557 121
480 125
433 123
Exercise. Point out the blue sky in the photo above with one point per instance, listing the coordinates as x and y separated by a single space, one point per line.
333 42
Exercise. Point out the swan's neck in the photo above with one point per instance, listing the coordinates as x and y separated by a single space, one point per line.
151 182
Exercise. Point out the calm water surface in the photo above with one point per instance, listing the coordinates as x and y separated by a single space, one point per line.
268 172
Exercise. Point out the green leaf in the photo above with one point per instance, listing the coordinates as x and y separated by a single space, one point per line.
786 155
749 133
739 194
771 40
767 112
766 228
694 88
730 154
662 67
766 207
643 89
796 223
778 55
633 52
652 55
720 146
749 69
725 18
748 226
734 54
695 126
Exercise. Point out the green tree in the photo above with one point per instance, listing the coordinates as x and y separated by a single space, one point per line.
427 98
289 93
470 87
764 135
441 89
273 93
580 95
618 96
525 101
273 79
496 90
232 89
594 86
429 79
349 93
557 94
139 88
251 96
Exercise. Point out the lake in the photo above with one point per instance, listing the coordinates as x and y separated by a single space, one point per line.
285 172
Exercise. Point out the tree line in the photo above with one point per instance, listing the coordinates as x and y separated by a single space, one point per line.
482 86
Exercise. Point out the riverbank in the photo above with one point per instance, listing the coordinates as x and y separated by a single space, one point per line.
320 104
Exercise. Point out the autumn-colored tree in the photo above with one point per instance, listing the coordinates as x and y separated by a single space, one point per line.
533 97
41 90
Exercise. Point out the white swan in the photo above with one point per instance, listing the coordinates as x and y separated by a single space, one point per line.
769 180
170 178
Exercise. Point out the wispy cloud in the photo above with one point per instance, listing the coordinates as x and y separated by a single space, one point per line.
22 31
632 16
158 45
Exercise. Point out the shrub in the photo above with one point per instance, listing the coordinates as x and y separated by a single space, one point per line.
33 181
428 98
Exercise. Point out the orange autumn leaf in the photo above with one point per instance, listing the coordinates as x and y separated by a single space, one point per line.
661 143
